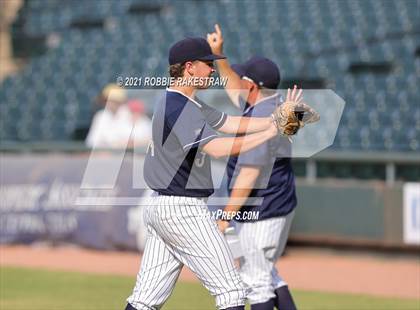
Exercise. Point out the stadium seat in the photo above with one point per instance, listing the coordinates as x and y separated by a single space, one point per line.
307 39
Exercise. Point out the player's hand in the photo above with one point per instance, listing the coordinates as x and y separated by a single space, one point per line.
215 40
293 114
284 117
294 95
309 114
222 225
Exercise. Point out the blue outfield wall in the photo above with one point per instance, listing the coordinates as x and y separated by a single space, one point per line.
41 200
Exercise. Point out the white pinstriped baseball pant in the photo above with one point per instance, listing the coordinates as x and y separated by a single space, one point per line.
182 232
263 243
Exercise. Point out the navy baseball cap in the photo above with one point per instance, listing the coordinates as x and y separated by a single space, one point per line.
262 71
190 49
239 69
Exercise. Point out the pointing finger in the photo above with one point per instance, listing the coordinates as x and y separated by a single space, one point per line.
218 31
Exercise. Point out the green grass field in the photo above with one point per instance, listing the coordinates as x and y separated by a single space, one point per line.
46 290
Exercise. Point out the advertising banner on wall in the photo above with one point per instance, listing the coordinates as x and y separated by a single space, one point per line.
411 198
42 199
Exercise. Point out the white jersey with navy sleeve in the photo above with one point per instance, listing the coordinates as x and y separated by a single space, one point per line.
180 228
174 164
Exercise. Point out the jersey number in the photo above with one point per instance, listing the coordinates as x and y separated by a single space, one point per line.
199 160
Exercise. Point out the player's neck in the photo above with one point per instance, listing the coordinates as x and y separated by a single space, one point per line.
186 90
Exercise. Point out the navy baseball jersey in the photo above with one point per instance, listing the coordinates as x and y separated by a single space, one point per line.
275 184
175 164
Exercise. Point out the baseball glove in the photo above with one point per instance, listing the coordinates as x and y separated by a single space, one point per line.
290 116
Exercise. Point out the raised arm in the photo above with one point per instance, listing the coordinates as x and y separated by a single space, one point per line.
235 86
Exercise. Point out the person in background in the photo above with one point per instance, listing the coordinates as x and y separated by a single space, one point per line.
109 128
140 124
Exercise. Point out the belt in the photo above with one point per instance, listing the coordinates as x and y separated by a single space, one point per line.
205 199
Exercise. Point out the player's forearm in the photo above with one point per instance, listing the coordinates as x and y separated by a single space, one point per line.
237 199
233 86
225 71
242 188
226 146
238 124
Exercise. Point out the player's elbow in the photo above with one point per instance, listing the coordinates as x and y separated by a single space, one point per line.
215 153
218 155
230 126
215 149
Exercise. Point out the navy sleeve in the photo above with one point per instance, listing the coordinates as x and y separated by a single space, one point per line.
213 117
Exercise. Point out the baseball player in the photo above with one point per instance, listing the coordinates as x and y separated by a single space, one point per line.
177 167
264 173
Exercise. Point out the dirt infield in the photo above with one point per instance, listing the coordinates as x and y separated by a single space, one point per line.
302 268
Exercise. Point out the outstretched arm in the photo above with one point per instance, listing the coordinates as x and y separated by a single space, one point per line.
234 124
239 124
226 146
